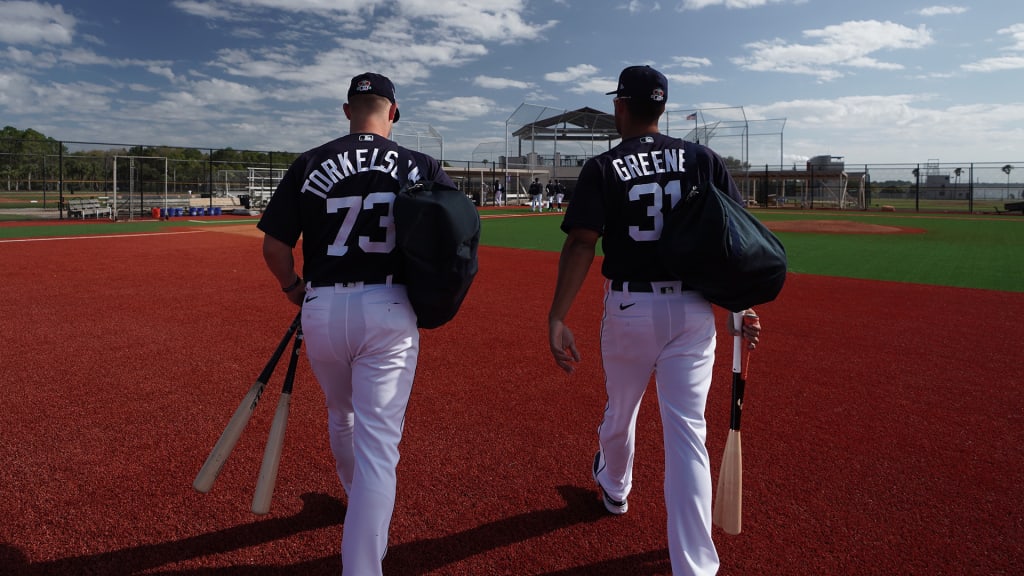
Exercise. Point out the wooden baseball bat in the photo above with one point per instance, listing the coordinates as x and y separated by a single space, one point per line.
275 440
728 510
233 431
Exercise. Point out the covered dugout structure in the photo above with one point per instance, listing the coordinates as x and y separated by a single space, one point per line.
552 143
549 144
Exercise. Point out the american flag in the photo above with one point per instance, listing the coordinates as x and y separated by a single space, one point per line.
692 116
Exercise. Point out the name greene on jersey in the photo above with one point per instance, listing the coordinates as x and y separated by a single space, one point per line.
349 163
640 164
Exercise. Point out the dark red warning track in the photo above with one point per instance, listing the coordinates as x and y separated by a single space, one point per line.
883 430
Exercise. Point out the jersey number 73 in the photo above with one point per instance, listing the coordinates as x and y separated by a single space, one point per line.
352 206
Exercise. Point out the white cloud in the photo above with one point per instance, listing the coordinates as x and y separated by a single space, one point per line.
460 108
637 6
998 63
742 4
486 20
84 57
572 73
995 64
690 62
1017 32
942 10
20 94
209 10
35 23
217 90
238 10
594 85
29 59
854 126
846 45
500 83
692 79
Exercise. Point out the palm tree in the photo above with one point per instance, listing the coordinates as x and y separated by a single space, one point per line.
1007 169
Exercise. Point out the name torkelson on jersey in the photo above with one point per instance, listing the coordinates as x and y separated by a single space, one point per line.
340 197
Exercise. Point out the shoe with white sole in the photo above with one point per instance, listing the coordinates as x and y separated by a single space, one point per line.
613 506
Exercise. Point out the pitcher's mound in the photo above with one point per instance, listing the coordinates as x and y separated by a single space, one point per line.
837 227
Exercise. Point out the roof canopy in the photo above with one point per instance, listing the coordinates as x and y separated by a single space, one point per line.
583 124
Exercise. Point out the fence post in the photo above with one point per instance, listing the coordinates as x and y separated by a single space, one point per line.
970 184
60 180
209 173
867 189
917 188
810 170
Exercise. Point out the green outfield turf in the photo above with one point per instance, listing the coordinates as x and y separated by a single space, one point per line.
955 250
949 250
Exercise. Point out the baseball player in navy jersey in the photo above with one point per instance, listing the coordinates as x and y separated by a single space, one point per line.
359 328
651 323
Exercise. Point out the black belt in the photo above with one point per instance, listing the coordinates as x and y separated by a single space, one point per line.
634 286
349 283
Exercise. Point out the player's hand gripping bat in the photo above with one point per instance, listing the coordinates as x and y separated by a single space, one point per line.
728 510
275 441
233 431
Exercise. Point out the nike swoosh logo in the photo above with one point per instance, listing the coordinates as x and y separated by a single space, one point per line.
311 298
624 306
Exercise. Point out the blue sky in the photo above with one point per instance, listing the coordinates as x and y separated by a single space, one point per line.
872 81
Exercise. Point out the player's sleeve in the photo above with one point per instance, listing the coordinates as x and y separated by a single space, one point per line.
281 217
586 207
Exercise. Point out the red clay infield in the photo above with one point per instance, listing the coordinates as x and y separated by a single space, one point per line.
882 431
837 227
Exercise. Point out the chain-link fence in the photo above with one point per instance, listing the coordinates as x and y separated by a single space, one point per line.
41 177
132 180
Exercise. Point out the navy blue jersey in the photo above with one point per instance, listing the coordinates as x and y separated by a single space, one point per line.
626 193
340 198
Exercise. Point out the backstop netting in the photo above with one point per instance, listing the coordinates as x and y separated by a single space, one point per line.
419 136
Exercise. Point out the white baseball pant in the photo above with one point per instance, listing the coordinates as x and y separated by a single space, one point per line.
670 333
363 344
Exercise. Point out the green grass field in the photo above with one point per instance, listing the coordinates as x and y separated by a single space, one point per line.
952 250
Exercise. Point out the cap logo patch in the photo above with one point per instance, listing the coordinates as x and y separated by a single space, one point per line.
364 86
658 95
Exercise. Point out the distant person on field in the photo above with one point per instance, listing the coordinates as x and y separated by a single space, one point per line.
559 195
536 192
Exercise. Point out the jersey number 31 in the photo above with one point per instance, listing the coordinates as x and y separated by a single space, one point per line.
653 196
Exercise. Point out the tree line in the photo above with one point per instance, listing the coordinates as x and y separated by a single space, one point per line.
32 161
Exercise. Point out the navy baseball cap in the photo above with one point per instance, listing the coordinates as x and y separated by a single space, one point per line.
642 82
376 84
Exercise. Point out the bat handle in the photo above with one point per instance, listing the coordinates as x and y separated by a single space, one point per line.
737 342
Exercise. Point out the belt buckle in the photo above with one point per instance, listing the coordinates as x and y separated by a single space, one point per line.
350 284
667 290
